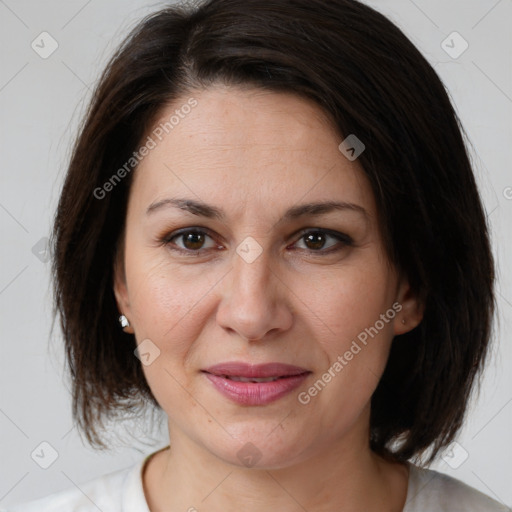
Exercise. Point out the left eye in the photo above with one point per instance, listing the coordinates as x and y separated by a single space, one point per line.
315 240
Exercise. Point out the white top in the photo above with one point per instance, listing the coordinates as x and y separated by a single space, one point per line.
122 491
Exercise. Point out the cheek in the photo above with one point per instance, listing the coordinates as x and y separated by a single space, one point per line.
162 295
167 306
350 300
171 305
358 316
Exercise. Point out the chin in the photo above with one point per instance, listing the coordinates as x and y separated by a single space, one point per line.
257 445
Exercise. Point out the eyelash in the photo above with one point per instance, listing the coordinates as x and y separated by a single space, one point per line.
344 239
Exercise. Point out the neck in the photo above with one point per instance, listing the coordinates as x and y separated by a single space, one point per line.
344 476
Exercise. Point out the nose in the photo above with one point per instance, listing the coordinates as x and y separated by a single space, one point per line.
255 300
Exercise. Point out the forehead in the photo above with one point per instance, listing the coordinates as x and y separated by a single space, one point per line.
248 145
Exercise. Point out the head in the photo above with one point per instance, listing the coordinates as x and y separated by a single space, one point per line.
242 105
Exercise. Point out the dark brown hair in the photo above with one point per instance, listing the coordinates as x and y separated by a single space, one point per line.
371 81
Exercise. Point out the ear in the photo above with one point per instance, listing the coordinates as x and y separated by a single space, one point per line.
412 310
120 288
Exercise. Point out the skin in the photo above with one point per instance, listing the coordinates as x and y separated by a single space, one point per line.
254 154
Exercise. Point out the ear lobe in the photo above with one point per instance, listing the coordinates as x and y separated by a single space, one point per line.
412 310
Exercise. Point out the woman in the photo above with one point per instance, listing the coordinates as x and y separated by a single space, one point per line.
274 200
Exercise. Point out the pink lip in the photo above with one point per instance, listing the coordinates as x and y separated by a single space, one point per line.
239 369
255 393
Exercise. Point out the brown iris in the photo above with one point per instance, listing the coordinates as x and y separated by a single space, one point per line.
315 240
193 240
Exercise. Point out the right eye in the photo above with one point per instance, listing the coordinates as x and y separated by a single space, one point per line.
192 240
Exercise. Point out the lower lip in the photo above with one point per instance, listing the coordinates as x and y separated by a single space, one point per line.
256 393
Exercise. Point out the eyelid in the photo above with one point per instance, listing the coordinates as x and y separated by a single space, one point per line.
183 231
343 237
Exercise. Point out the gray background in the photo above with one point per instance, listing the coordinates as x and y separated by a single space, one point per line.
41 101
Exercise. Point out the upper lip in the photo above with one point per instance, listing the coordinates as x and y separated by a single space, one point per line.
240 369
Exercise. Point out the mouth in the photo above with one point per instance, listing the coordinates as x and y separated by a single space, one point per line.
247 384
251 379
255 371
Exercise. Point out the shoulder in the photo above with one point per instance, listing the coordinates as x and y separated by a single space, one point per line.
430 490
105 493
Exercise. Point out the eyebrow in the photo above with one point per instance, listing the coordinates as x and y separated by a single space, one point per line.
202 209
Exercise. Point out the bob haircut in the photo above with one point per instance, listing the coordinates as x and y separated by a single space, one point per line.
371 81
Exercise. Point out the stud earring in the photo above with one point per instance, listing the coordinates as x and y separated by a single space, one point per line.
125 324
403 320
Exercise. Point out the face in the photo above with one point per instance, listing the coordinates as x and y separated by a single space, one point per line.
226 260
